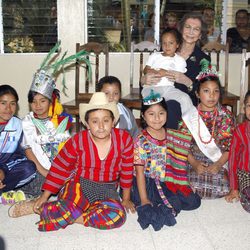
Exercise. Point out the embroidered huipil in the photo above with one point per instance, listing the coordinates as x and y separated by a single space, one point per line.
224 127
79 158
239 154
164 159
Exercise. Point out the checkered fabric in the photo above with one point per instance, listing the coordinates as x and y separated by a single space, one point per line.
244 186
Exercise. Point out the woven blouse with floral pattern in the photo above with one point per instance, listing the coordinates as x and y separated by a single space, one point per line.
224 127
151 155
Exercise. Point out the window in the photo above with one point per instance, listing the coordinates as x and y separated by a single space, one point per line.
29 26
121 22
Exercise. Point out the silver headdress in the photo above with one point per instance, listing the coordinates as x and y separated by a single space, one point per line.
43 81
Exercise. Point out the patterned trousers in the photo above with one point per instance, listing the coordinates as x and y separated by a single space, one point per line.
71 204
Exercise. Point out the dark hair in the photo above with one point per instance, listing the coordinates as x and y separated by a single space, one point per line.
7 89
247 95
93 110
241 11
209 78
109 80
32 94
175 33
207 8
144 108
194 15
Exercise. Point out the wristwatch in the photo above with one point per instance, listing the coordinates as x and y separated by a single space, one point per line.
190 87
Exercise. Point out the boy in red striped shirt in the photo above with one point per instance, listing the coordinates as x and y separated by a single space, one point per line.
87 172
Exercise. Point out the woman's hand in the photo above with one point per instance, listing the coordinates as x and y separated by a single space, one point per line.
129 206
233 194
179 77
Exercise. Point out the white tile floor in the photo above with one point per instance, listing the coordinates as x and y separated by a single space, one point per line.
215 225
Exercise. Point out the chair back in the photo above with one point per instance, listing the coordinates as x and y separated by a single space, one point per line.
218 49
144 48
95 49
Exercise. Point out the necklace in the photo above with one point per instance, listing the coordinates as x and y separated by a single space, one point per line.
215 114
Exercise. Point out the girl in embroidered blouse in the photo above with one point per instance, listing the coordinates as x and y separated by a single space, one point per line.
161 187
87 171
15 169
209 150
239 161
46 129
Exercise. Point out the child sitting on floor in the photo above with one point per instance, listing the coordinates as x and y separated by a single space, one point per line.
111 86
161 188
239 161
87 171
15 169
212 132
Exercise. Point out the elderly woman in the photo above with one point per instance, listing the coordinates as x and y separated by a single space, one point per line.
194 34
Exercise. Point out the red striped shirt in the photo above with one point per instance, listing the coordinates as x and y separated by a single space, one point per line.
239 155
79 157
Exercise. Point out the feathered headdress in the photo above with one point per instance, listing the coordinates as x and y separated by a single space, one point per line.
43 80
207 69
152 98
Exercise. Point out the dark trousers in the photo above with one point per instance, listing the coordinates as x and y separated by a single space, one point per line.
22 172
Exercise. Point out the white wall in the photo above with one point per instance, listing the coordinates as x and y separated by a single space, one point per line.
18 69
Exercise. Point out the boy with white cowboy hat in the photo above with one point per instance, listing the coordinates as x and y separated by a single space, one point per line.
87 171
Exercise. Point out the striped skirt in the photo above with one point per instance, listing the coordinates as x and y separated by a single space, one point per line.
72 203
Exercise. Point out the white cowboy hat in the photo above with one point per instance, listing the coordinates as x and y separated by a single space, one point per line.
98 101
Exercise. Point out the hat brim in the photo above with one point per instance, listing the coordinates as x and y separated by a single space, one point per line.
85 107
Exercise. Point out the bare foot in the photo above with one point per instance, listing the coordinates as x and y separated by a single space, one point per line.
21 208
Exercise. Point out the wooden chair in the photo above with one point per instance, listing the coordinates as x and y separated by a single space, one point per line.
95 50
228 99
244 85
133 99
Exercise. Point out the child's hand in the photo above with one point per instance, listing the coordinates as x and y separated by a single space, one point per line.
200 167
40 202
129 206
233 194
214 168
162 72
2 185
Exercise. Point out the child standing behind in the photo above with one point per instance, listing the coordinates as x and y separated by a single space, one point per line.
239 161
111 86
160 62
15 169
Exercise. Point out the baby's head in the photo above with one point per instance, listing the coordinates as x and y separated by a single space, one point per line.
247 105
111 86
170 41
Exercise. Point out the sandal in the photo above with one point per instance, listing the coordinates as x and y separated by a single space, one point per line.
21 208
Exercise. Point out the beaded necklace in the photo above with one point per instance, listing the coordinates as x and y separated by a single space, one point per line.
215 114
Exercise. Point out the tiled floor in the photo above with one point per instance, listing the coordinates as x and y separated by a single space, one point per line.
215 225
